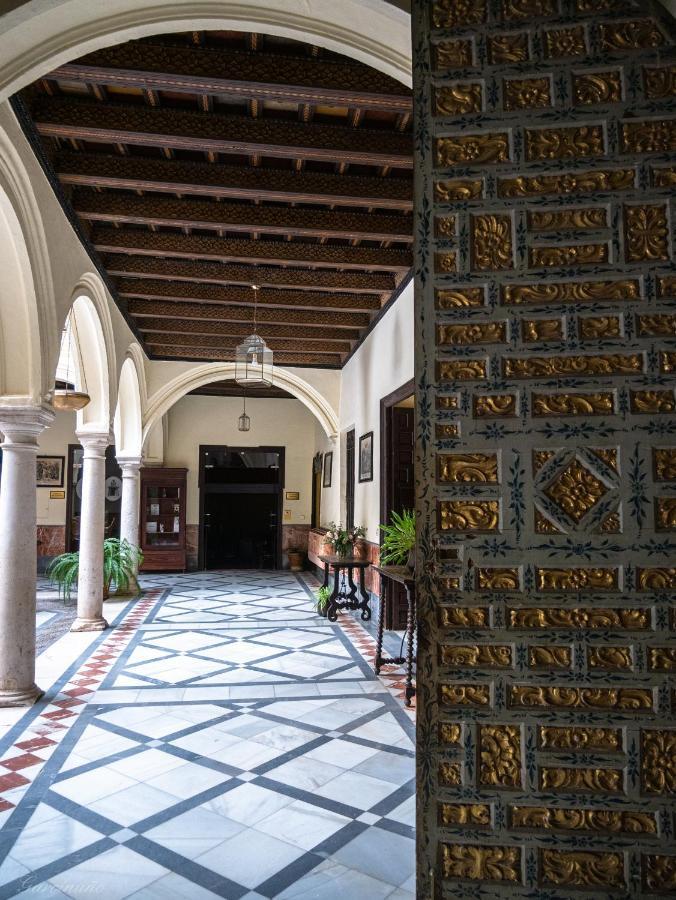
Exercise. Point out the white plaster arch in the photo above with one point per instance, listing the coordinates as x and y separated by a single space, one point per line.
170 393
131 399
29 333
38 36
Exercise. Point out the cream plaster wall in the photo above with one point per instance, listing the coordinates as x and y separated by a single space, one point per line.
54 442
196 420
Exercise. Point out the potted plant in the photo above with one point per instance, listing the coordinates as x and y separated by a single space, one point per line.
323 597
342 540
398 544
120 563
296 559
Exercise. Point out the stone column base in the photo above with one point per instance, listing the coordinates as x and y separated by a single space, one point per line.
89 625
26 697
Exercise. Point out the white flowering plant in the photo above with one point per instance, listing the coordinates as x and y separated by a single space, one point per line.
342 540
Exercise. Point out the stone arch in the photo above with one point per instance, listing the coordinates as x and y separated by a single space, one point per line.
194 378
131 399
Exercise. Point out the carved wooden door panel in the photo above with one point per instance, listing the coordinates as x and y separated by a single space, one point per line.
546 451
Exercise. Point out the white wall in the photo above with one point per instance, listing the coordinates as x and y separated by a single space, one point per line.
196 420
54 442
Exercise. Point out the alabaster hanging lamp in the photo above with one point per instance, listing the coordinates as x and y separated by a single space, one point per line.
69 398
244 422
253 357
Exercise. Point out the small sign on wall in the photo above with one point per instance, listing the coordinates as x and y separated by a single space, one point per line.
293 495
57 495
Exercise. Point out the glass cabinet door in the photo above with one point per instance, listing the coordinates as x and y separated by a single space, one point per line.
163 515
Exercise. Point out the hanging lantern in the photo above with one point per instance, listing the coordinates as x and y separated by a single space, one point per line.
68 398
253 357
244 422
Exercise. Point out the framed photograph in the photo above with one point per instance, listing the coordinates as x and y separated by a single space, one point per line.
328 467
366 457
50 471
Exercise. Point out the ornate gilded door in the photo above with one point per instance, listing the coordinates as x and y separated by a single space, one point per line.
546 449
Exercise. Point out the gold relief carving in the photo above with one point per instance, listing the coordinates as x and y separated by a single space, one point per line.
596 579
527 93
667 362
445 262
549 657
492 242
497 579
447 430
450 734
592 328
599 820
469 467
540 457
659 872
654 136
584 6
450 401
453 54
570 291
450 774
543 525
458 189
665 514
472 333
646 233
568 219
604 781
658 762
570 183
612 524
573 255
564 143
528 9
462 369
489 406
551 617
597 87
662 659
451 298
598 404
660 82
533 696
581 868
472 814
542 330
489 655
573 366
500 755
666 284
608 455
458 99
610 658
575 490
604 740
658 579
469 515
664 176
444 226
565 42
636 35
450 13
465 694
472 149
464 617
657 325
481 863
508 48
450 583
664 460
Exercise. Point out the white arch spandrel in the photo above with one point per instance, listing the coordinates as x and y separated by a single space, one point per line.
131 399
162 401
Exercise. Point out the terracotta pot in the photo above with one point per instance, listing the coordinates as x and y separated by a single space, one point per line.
327 550
361 549
296 560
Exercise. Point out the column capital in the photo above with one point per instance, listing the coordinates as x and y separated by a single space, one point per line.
24 424
130 464
94 442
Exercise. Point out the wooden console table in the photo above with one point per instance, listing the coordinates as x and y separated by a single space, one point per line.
350 600
401 575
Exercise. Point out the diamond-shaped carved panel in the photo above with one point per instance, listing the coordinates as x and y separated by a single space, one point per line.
576 490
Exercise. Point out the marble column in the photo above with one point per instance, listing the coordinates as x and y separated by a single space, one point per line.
129 516
21 427
92 526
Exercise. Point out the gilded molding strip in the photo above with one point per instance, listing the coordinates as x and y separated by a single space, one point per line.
568 183
652 136
590 88
479 468
450 734
577 579
469 515
480 863
462 369
599 328
493 406
458 99
453 54
445 262
664 176
639 34
665 514
525 10
527 93
575 490
587 404
646 233
508 48
549 657
564 43
610 659
582 868
531 696
582 738
492 245
662 659
572 255
587 780
497 579
658 761
664 462
451 298
458 189
573 366
584 219
656 579
543 525
600 821
448 14
474 815
500 756
464 617
471 333
571 292
564 143
533 330
450 774
476 655
657 325
540 457
659 872
551 617
471 149
659 82
668 362
465 694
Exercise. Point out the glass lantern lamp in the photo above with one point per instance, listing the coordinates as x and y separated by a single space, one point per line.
244 421
253 357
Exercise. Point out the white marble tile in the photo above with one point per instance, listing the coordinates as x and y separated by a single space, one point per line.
133 804
250 858
248 803
114 875
303 825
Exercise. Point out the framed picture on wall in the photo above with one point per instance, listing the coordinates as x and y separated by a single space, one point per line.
366 457
328 467
50 471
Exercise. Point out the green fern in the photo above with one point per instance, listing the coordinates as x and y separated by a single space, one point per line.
398 538
64 571
323 597
120 560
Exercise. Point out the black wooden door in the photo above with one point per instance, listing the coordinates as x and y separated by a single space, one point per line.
402 494
349 480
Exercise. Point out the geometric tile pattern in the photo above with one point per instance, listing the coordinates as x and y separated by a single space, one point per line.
236 746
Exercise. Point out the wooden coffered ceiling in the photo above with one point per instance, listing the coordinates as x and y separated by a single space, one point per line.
197 165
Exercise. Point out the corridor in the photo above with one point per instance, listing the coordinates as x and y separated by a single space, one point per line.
219 740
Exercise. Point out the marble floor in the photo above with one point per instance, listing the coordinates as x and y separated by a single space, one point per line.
221 740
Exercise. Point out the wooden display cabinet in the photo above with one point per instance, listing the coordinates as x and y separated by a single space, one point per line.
163 501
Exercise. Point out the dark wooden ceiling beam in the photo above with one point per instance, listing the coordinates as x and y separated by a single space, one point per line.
216 180
148 289
272 252
183 353
207 312
188 130
301 334
204 272
228 344
239 75
241 217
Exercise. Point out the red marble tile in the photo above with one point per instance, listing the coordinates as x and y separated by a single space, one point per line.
58 714
68 704
38 743
77 692
12 780
5 805
21 762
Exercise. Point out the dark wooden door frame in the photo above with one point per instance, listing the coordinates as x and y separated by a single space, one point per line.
350 475
386 403
202 448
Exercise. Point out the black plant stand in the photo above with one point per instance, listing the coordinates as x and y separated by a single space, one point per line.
356 597
404 576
